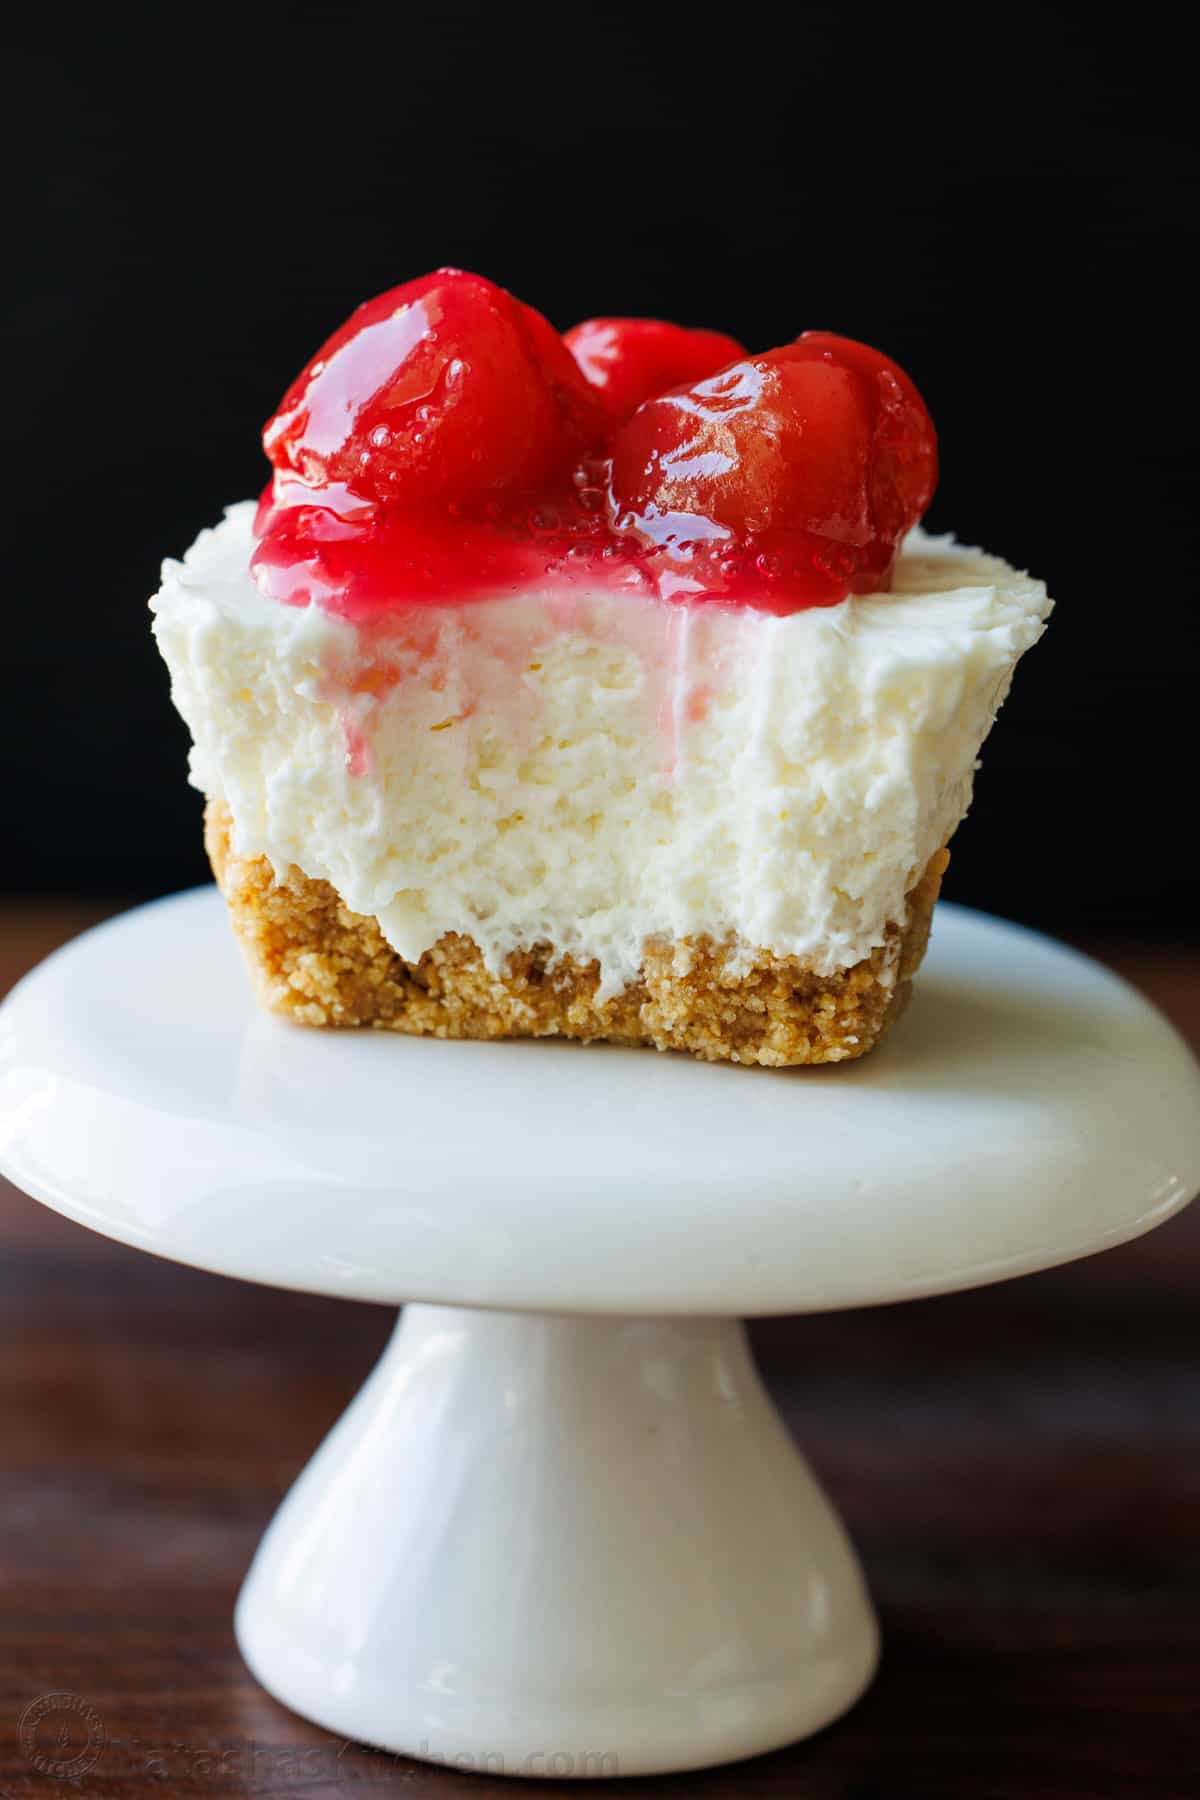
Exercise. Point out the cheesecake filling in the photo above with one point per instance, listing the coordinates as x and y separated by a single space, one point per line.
590 769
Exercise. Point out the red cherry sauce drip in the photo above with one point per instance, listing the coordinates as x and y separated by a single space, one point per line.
362 563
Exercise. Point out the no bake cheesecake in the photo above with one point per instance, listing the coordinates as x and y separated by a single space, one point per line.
603 686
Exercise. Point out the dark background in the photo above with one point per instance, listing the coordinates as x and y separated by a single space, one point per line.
1006 201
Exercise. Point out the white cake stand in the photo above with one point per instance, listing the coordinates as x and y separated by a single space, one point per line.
567 1533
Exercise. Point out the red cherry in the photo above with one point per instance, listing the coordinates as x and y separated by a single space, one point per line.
446 389
904 443
631 360
821 442
772 441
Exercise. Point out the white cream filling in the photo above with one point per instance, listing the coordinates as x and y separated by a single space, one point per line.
593 772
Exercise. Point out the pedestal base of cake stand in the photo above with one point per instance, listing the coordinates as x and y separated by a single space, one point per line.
560 1547
562 1531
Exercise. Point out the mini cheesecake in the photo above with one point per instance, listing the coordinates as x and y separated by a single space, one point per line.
602 687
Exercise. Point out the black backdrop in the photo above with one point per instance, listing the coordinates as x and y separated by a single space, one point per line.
1007 203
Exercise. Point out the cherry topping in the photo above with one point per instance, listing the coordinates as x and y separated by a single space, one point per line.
446 443
631 360
904 442
821 452
446 389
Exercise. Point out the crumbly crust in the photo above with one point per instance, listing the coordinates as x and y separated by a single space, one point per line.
318 963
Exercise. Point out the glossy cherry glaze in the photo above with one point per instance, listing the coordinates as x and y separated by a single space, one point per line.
628 361
447 445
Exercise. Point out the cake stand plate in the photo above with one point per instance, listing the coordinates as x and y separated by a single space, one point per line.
562 1531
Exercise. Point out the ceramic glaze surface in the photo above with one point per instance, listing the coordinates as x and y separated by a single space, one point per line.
574 1546
1028 1109
548 1547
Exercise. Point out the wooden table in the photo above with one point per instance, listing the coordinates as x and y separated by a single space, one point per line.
1020 1467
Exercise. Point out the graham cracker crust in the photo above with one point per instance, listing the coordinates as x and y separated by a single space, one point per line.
317 963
